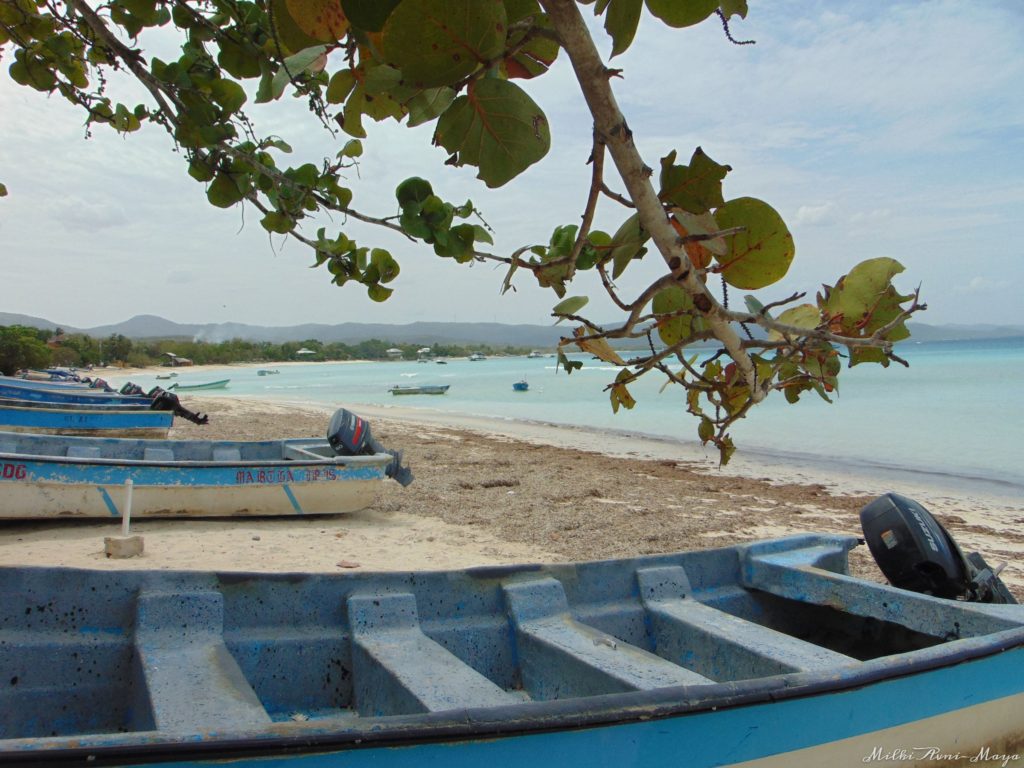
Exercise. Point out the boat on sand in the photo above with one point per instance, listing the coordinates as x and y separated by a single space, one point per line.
49 476
765 654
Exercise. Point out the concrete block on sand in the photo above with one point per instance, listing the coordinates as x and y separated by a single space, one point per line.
122 546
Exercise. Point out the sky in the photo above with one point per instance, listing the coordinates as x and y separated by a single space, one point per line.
875 129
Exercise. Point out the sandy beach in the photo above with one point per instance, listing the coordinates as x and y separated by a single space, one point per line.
489 491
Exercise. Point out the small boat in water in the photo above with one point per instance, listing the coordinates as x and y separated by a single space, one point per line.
419 389
267 372
47 476
521 386
219 384
90 421
763 655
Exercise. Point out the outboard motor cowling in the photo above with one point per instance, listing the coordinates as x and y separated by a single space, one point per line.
916 553
349 435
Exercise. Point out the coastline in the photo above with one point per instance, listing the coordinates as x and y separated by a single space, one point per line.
498 491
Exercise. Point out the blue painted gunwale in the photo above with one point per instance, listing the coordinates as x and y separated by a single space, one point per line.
71 395
13 402
84 420
696 726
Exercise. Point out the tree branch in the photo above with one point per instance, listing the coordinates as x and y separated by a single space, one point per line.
610 125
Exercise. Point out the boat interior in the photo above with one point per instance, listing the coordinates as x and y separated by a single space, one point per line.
99 657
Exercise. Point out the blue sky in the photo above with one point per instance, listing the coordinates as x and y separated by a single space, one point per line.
876 129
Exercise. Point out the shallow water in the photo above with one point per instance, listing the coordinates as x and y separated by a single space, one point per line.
955 416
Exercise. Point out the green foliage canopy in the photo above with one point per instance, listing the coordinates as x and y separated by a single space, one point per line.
465 67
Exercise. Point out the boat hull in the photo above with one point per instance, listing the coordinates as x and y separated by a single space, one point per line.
519 666
70 395
41 488
56 421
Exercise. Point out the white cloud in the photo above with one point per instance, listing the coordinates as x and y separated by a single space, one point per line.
814 214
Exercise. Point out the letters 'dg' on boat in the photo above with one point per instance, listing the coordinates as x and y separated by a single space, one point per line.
766 654
46 476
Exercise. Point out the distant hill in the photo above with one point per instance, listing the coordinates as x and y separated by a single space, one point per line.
494 334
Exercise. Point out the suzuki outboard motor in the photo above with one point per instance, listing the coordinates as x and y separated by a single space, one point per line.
915 552
349 435
168 401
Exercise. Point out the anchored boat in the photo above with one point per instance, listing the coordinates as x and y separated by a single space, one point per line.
765 654
44 476
219 384
419 389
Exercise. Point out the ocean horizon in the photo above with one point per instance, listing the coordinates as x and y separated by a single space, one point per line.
952 418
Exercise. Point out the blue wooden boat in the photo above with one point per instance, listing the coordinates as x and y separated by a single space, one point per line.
94 421
103 407
521 386
47 476
765 654
66 394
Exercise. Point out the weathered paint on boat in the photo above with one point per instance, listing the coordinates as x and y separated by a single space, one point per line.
764 655
60 421
102 407
68 395
45 476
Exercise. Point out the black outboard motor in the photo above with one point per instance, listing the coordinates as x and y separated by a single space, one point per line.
168 401
349 435
915 552
130 389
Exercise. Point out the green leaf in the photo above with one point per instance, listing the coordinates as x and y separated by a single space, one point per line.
696 187
536 55
369 15
385 264
275 221
619 394
732 8
803 316
621 22
855 297
569 306
224 192
228 94
125 121
706 430
761 254
428 104
340 85
200 171
304 59
378 292
672 330
682 13
413 191
627 244
352 148
440 42
496 127
565 362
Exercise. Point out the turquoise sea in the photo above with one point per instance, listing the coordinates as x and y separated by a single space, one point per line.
954 418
